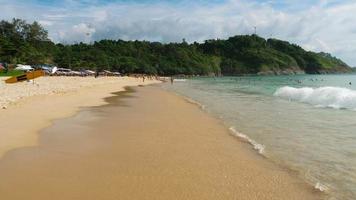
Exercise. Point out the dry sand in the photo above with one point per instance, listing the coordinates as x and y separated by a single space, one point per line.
153 145
31 107
12 94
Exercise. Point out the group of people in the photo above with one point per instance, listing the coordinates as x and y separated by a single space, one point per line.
145 77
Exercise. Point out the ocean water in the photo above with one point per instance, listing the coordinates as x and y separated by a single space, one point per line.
304 122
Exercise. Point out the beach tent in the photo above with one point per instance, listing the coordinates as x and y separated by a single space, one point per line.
106 71
62 71
75 73
45 67
24 67
90 72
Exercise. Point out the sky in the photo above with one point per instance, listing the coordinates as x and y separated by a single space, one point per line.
316 25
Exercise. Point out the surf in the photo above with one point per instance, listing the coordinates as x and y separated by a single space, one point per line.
257 146
325 97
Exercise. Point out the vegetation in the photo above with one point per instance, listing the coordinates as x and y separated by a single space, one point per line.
11 73
25 43
253 54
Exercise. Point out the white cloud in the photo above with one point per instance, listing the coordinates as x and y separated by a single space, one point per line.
45 22
78 33
327 25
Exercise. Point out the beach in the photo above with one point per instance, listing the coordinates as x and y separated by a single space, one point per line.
28 107
141 144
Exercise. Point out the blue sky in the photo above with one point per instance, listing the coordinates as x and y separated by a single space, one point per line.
318 25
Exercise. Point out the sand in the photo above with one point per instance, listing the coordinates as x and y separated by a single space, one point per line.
12 94
31 107
152 145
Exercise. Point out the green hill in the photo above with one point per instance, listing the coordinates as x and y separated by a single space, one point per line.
252 54
25 43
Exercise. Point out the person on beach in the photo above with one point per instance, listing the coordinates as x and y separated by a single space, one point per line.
172 80
6 67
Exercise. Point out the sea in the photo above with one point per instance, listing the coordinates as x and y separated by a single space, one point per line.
306 123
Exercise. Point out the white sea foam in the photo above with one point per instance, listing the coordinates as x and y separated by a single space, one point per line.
321 187
194 102
259 147
332 97
180 80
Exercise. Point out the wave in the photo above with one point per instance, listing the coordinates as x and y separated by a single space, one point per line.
259 147
195 102
326 97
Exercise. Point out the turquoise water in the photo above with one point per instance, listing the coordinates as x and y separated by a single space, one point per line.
304 122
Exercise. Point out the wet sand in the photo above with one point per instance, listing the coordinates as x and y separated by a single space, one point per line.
149 144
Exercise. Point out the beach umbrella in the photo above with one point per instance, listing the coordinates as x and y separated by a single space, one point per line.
24 67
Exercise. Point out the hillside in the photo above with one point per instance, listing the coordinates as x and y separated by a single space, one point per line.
244 54
252 54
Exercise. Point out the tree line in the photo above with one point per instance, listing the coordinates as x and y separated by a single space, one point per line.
28 43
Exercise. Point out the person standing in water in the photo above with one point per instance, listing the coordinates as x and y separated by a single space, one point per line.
172 80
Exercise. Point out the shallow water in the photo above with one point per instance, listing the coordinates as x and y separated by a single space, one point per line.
304 122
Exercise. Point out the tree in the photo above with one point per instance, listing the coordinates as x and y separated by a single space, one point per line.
28 43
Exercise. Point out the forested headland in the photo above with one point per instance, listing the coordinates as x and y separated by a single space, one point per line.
28 43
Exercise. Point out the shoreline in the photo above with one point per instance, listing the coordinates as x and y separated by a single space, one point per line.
36 109
237 152
259 149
